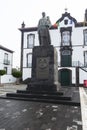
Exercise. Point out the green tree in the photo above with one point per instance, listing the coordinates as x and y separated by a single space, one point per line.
2 72
17 74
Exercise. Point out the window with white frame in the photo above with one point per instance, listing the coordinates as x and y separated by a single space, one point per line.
85 58
5 68
30 40
66 38
85 36
29 60
6 61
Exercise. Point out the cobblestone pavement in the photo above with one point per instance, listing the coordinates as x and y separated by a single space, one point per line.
7 88
26 115
83 99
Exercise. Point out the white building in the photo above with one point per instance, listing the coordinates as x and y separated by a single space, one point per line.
6 62
70 40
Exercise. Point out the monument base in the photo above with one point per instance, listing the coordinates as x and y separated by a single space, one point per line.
37 87
44 69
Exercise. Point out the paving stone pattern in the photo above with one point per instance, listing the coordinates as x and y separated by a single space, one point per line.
83 99
25 115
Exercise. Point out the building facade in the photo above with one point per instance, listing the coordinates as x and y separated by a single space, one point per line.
6 62
70 40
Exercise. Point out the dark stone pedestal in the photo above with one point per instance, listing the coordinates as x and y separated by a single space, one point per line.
44 69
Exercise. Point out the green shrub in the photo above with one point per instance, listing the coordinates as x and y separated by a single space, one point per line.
2 72
17 74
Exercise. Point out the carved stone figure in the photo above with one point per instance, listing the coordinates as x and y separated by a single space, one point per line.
43 30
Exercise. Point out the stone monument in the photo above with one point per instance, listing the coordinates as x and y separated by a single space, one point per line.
44 61
44 84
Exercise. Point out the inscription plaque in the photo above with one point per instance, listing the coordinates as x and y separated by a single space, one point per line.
42 68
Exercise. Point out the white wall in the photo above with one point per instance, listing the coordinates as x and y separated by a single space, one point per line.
77 36
77 54
55 37
10 58
73 76
8 79
26 73
77 46
82 76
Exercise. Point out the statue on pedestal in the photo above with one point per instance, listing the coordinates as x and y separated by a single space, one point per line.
43 30
44 61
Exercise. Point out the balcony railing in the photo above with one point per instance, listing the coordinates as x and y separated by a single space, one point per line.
6 62
76 64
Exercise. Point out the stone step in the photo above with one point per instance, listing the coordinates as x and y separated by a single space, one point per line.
41 96
65 96
61 102
40 92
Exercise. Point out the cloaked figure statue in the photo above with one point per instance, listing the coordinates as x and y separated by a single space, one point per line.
43 30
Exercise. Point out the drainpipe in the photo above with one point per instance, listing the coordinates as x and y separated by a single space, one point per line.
22 40
77 77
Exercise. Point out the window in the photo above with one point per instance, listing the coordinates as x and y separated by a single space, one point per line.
85 58
5 68
85 37
66 21
66 38
30 40
29 60
6 61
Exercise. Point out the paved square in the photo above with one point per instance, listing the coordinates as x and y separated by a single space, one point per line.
25 115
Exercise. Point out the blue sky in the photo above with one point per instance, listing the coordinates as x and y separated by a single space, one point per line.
14 12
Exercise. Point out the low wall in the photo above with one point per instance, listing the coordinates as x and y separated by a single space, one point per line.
8 79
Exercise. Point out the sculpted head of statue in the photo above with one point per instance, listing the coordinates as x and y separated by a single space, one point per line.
43 14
